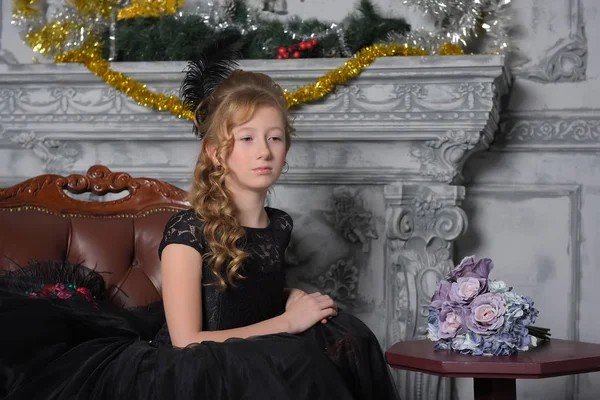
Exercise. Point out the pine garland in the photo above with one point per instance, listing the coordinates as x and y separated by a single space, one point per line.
181 38
366 27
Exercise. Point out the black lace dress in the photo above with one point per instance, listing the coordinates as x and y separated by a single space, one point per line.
75 346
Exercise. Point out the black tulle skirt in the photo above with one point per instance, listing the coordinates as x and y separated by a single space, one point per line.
85 348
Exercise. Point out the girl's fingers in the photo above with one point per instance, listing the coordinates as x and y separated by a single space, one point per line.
328 313
328 303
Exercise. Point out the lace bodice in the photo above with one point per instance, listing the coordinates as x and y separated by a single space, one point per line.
257 297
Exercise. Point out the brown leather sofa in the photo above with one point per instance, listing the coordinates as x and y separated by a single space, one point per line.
119 238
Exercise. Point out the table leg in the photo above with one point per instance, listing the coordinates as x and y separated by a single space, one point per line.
495 389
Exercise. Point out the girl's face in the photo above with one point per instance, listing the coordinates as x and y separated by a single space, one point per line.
259 150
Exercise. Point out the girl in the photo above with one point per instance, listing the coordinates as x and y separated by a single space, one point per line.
247 136
235 246
230 329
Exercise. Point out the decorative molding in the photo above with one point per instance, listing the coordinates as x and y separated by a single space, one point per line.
416 103
289 74
296 175
421 224
574 194
423 214
349 216
57 156
383 122
340 281
558 130
566 61
576 130
56 100
442 159
417 99
462 96
440 88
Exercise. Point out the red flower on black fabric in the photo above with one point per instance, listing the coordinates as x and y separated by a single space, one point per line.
85 292
61 291
47 290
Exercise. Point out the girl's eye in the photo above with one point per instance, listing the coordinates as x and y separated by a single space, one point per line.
276 138
246 139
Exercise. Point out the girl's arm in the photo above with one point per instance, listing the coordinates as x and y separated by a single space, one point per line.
181 270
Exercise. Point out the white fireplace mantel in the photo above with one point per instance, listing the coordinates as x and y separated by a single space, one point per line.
374 183
409 118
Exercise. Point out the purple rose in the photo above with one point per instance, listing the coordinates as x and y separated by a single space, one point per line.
469 268
464 290
486 314
441 294
451 321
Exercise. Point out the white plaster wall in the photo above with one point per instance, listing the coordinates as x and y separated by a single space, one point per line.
533 198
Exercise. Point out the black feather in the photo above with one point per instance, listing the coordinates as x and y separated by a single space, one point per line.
202 76
22 279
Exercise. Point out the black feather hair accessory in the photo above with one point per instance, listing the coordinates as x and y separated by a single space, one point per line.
202 76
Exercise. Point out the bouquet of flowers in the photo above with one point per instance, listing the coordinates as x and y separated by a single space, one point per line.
473 314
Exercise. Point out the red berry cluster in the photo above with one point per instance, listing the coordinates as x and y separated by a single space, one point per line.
295 50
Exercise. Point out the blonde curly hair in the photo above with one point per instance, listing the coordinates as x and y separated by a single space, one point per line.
233 103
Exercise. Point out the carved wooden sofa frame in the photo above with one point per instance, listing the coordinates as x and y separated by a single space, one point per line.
39 221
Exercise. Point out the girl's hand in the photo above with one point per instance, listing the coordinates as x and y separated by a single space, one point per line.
293 296
307 310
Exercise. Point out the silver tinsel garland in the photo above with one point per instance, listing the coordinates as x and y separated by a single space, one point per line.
459 22
497 17
66 14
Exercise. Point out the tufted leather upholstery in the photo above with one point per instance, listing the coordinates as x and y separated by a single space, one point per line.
119 238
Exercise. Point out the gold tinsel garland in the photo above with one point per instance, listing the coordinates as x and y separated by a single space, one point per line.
51 38
91 56
351 68
94 8
150 8
26 8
